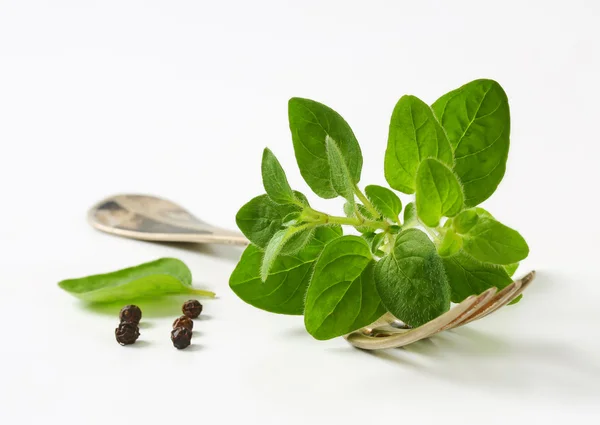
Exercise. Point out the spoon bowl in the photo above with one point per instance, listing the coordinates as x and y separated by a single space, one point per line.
150 218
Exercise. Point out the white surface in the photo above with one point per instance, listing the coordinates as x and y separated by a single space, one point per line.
178 99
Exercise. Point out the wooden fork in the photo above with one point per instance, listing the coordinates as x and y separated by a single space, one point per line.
388 332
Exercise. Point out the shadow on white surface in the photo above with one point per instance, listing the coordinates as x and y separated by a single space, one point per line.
169 306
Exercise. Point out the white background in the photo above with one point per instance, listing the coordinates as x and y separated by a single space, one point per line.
178 99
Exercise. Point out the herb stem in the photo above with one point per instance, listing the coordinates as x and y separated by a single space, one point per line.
366 201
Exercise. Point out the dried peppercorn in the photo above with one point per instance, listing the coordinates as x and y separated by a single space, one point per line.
184 322
181 337
127 333
131 313
192 308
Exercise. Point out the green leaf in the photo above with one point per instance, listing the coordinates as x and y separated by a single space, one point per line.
298 241
410 214
414 135
310 123
284 290
261 218
516 300
467 276
377 241
411 280
476 118
385 201
278 241
488 240
438 192
451 243
165 276
275 181
341 297
341 180
511 268
291 219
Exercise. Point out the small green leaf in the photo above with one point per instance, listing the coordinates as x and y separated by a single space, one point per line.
341 180
165 276
298 241
438 192
410 214
284 290
310 123
467 276
476 118
275 181
341 297
415 134
516 300
488 240
292 238
451 243
261 218
291 219
377 241
511 268
385 201
411 280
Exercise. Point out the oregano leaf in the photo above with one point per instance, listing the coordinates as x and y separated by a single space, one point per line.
341 297
438 192
385 201
341 180
411 280
284 290
274 180
476 118
414 134
310 123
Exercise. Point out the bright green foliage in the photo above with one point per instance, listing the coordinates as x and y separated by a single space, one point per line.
476 118
165 276
489 240
438 192
467 276
341 179
284 290
310 123
414 135
261 218
342 296
410 263
275 181
385 201
411 280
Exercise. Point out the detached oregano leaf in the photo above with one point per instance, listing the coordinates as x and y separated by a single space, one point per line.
284 290
385 201
438 192
341 297
341 180
476 118
411 280
261 218
488 240
275 181
310 123
165 276
468 276
415 134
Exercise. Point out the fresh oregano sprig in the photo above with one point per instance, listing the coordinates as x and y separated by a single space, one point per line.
411 262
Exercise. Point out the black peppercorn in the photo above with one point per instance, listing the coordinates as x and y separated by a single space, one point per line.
181 337
127 333
192 308
183 322
130 313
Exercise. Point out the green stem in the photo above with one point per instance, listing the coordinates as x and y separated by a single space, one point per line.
366 201
319 218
